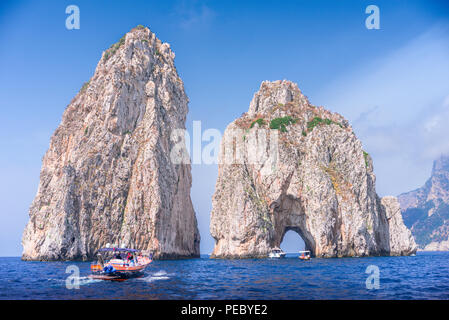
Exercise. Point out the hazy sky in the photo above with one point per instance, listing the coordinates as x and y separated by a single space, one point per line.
391 84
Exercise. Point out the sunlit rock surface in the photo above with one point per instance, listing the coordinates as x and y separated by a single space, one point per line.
107 176
288 165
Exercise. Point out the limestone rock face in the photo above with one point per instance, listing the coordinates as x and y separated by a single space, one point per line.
437 246
426 210
288 165
401 239
107 176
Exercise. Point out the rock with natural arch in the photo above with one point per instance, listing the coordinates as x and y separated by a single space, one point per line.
288 165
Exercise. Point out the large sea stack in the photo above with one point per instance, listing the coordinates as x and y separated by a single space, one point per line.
288 165
107 176
426 210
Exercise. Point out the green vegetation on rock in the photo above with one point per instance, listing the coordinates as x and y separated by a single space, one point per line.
85 85
282 123
113 49
424 227
261 122
317 121
365 155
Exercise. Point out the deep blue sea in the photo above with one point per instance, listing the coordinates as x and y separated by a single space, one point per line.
424 276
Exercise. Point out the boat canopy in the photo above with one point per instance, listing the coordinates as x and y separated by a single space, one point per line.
306 251
118 249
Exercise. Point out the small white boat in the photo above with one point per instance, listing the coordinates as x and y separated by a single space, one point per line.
276 253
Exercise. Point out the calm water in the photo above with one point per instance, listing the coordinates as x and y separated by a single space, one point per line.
425 276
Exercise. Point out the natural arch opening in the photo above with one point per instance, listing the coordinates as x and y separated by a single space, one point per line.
293 239
292 242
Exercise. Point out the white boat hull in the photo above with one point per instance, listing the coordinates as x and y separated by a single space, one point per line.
276 255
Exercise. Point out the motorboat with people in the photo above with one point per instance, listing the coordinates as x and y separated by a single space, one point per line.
276 253
119 264
304 255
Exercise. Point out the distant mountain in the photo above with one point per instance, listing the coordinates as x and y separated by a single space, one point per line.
426 210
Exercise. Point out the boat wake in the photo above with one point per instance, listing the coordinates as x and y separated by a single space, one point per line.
82 281
160 275
87 280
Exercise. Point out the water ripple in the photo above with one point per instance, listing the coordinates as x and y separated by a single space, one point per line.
425 276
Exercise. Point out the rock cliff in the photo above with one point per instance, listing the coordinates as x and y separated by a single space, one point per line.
426 210
288 165
107 175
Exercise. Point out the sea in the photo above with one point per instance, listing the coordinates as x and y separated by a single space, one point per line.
424 276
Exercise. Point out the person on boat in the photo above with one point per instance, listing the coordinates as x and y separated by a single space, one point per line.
139 258
118 256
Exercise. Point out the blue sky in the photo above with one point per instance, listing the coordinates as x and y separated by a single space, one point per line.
392 84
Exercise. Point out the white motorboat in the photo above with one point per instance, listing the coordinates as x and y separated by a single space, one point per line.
276 253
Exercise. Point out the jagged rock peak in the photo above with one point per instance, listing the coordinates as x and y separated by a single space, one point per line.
441 164
426 210
283 98
435 189
142 38
310 174
272 94
107 176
